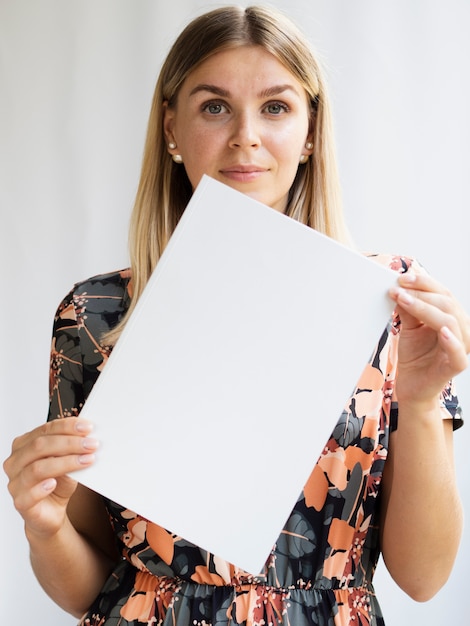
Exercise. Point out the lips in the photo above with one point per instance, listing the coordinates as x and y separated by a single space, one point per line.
243 172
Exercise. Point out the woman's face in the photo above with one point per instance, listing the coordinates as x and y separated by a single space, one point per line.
242 118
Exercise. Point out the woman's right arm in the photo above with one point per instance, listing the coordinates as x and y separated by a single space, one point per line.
70 536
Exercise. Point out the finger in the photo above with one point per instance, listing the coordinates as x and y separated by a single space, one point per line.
69 425
25 500
40 479
415 310
423 286
45 460
429 290
40 507
422 281
49 439
46 446
453 347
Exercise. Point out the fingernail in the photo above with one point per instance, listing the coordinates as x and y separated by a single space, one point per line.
49 484
408 277
83 426
86 459
90 444
446 333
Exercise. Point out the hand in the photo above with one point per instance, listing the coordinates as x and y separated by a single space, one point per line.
37 469
434 336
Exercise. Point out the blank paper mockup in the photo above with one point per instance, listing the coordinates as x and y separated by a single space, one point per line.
231 374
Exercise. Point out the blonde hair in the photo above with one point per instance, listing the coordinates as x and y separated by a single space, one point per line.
164 188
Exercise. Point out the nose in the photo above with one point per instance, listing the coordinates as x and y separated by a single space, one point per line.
245 132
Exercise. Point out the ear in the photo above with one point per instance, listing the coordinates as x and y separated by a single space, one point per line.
309 140
168 125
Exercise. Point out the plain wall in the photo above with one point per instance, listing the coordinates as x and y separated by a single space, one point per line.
76 78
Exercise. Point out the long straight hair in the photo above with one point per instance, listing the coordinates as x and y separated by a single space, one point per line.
164 189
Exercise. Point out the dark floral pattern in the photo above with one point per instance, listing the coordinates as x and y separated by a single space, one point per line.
320 570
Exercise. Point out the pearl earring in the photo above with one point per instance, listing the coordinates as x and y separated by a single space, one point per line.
309 145
303 159
172 145
177 158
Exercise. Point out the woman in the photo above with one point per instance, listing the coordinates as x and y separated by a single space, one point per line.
241 98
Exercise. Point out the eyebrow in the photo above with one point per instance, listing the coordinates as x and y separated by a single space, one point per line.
269 92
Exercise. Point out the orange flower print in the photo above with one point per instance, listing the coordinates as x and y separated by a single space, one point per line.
259 606
150 599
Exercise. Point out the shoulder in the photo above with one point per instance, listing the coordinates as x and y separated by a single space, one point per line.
113 286
91 308
97 302
110 285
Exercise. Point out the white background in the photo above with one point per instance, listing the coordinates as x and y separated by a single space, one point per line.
76 78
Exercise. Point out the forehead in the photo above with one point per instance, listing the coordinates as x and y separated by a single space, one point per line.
242 67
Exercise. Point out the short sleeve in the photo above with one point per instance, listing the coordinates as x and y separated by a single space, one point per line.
85 315
66 395
451 408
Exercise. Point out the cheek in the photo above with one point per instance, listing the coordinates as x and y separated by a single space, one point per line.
199 145
289 144
288 157
199 156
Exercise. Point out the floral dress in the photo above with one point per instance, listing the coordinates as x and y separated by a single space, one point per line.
320 570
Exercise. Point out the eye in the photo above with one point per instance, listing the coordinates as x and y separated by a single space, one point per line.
214 108
276 108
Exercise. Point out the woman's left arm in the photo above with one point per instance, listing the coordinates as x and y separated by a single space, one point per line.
422 514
